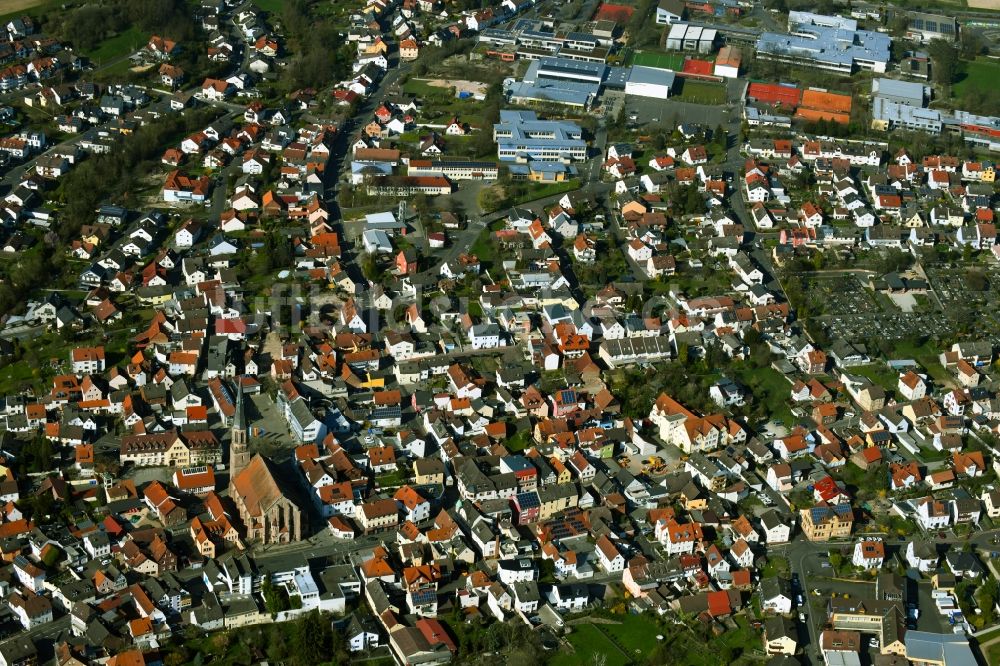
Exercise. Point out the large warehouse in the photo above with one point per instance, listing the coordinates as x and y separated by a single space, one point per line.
649 82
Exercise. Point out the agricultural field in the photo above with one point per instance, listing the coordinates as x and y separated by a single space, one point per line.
13 8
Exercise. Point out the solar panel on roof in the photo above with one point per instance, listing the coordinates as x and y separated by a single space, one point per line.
424 597
528 500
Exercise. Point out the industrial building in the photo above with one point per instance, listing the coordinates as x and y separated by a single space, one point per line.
542 172
530 39
649 82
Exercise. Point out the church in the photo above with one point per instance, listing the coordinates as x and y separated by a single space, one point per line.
261 493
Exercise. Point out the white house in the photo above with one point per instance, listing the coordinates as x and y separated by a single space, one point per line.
869 554
514 571
485 336
922 555
912 386
991 500
639 251
932 514
31 610
609 556
776 530
669 12
568 598
775 595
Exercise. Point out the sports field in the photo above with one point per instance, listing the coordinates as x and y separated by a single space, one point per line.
672 61
701 92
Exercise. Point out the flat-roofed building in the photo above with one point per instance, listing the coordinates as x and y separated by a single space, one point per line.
924 27
908 93
833 43
687 37
521 136
649 82
929 649
454 169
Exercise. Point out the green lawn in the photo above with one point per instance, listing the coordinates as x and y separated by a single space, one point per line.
270 6
589 644
674 61
701 92
483 248
636 632
542 190
981 73
390 480
519 441
634 640
879 373
121 44
776 566
993 655
926 355
115 72
770 387
743 640
16 376
421 87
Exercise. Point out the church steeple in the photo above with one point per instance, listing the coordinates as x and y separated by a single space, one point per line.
239 450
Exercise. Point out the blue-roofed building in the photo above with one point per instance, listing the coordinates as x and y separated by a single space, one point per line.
521 136
902 92
887 114
827 42
560 81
